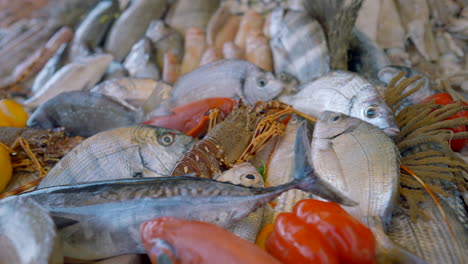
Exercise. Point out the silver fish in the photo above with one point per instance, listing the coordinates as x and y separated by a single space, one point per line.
140 151
140 62
76 76
49 69
346 93
363 162
226 78
101 219
184 14
131 26
27 233
130 92
164 40
82 114
92 30
298 45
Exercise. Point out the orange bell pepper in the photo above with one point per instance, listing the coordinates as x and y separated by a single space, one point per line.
12 114
320 232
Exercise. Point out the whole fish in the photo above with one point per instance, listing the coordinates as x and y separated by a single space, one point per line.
298 45
49 69
76 76
27 233
130 152
140 62
195 44
92 30
130 92
363 162
101 219
165 39
346 93
131 26
226 78
197 242
82 114
184 14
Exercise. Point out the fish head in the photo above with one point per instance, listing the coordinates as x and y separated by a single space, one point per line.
172 141
370 107
245 174
261 85
332 124
40 119
291 84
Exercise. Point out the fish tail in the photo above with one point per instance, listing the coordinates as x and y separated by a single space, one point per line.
388 251
337 18
305 178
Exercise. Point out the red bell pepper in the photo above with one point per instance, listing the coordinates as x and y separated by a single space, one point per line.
445 99
320 232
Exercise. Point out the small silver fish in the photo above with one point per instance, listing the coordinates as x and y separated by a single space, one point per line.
185 14
130 92
82 114
102 219
140 62
140 151
27 233
164 40
131 26
298 45
76 76
226 78
346 93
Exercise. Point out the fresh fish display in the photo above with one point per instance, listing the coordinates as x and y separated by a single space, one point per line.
298 45
131 26
82 114
171 70
210 55
184 14
226 78
227 33
140 62
28 234
346 93
258 52
92 30
79 75
361 161
164 40
231 51
251 22
130 92
131 152
216 22
101 219
49 69
195 44
115 70
193 241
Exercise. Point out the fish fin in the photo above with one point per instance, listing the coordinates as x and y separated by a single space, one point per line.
62 222
304 175
337 18
163 252
387 250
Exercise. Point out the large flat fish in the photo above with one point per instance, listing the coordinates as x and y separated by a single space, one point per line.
76 76
101 219
131 26
298 45
130 152
347 93
83 114
226 78
27 233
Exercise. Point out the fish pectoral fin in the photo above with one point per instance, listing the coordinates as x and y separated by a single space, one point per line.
62 222
388 251
164 251
326 191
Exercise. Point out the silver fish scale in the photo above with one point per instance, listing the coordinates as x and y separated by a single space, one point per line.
298 45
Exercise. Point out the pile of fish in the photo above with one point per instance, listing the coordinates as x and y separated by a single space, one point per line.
309 81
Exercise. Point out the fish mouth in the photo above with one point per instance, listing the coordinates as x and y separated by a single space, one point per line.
391 131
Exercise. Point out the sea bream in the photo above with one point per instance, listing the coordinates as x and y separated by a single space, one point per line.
130 152
226 78
101 219
298 45
347 93
362 162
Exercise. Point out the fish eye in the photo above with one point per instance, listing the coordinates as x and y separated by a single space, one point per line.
335 118
371 112
262 82
250 176
283 77
166 139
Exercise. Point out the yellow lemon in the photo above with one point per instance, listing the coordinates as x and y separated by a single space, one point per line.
6 169
12 114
